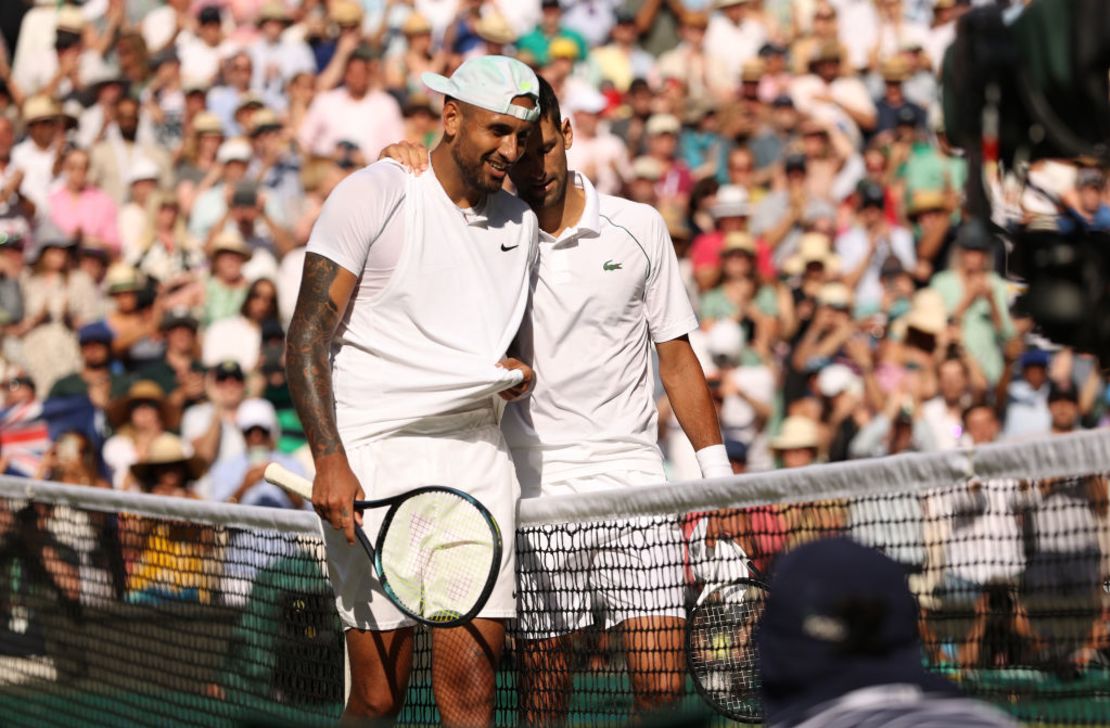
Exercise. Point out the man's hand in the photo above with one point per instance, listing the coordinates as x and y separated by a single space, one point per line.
525 386
334 492
412 157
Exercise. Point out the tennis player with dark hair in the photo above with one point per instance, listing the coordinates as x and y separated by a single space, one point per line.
414 287
606 289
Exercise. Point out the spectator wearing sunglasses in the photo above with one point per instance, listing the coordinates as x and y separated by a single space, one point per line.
240 479
209 427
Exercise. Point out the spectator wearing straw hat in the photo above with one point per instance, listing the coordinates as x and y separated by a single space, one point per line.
240 479
226 286
704 74
838 645
36 156
81 210
495 33
893 109
133 325
138 418
798 442
276 57
403 67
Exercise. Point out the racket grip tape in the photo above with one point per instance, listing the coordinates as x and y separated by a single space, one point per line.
287 479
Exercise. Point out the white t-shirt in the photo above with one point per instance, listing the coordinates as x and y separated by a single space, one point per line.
38 173
604 292
440 297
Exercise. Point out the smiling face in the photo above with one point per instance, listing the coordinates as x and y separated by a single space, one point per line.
485 145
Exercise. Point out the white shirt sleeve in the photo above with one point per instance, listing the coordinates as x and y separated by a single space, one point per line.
355 214
669 312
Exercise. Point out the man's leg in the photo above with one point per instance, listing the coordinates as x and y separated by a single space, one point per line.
464 672
656 667
545 680
380 667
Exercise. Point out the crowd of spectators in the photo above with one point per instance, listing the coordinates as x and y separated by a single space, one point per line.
162 164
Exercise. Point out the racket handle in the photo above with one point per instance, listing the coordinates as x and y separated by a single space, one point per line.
290 481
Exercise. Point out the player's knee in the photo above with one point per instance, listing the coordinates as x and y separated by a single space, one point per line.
370 702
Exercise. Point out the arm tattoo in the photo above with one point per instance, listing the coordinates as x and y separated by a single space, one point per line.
307 353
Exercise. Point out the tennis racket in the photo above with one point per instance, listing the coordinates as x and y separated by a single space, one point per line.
720 641
438 550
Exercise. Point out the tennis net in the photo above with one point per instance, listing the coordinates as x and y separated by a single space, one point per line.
119 609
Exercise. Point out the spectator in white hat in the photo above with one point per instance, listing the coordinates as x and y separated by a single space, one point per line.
210 211
596 152
239 479
137 215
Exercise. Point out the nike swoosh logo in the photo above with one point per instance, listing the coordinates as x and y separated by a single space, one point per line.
509 248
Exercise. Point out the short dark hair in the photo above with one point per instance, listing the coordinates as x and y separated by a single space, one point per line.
549 103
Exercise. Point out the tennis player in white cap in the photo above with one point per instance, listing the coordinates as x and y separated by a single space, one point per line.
413 289
605 292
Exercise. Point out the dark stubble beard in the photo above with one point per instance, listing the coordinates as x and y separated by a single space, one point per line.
471 171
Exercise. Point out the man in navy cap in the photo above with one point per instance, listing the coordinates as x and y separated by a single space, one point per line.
838 646
94 378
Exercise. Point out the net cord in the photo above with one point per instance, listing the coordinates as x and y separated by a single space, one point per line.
1061 456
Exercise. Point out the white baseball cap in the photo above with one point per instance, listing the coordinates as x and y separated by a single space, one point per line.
257 413
141 169
585 99
491 83
234 150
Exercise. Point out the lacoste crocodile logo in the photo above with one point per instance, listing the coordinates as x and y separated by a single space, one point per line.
610 265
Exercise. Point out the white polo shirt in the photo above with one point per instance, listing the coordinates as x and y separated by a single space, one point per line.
440 296
602 294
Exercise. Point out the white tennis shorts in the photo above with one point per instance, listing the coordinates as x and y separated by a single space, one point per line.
464 451
572 574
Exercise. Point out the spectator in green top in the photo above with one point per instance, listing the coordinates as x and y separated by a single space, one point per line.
550 27
226 288
975 299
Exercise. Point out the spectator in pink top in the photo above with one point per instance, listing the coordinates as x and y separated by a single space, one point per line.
358 112
81 210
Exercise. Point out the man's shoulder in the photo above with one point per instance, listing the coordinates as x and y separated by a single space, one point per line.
621 212
382 177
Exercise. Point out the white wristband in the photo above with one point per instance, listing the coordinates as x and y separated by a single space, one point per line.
713 461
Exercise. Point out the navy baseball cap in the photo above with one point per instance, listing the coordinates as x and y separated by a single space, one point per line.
96 332
839 617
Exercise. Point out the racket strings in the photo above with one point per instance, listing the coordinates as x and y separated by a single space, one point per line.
437 555
723 656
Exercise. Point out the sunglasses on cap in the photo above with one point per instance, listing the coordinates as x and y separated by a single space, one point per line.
16 382
255 429
222 376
